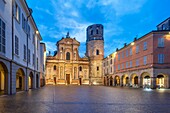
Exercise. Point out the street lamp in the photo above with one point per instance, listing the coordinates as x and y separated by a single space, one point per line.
132 43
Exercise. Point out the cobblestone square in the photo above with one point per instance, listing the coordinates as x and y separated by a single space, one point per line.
87 99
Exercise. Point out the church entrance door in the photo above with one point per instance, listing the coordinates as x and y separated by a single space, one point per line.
68 78
80 81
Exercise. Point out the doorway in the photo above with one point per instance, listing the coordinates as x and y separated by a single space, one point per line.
55 80
3 79
80 81
37 81
68 78
30 81
20 80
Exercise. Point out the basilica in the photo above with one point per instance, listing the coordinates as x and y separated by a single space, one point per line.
67 67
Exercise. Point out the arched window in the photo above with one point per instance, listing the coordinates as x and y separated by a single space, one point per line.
163 27
80 68
97 52
97 31
91 32
55 67
67 56
97 68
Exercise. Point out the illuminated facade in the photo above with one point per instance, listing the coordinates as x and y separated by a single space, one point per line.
66 66
19 48
143 63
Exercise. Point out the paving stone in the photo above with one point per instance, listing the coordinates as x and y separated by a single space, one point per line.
87 99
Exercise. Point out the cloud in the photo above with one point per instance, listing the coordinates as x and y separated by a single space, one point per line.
50 46
44 10
68 19
76 16
74 13
113 44
46 31
123 7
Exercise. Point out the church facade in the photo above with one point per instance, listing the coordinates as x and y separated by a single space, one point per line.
67 67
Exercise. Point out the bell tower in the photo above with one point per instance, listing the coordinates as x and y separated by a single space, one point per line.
95 52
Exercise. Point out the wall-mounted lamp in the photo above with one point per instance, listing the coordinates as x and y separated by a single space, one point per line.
37 32
132 43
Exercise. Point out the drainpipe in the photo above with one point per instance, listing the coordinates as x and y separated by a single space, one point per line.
30 13
12 48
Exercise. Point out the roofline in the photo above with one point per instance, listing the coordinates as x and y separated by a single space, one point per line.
33 20
151 32
66 38
43 44
163 21
93 25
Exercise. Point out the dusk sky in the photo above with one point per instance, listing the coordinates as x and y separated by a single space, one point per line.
122 19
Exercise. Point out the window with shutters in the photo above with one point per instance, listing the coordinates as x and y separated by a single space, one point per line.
145 46
29 56
160 58
137 62
137 49
160 42
2 36
16 45
127 64
127 53
33 59
24 52
119 67
17 12
130 51
145 60
130 64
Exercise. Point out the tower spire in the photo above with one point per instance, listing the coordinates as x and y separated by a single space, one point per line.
67 36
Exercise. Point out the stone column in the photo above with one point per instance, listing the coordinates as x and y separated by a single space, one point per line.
58 72
39 80
153 82
109 81
130 81
121 81
167 81
113 82
34 81
8 83
13 79
139 82
26 82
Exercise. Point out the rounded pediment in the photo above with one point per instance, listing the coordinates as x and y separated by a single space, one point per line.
67 41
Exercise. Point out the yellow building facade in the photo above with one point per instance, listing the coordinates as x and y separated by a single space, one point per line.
67 67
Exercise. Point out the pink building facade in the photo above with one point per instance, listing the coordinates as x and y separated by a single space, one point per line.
145 62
